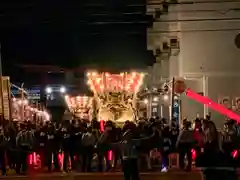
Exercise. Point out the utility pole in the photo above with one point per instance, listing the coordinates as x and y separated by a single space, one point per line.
172 100
22 102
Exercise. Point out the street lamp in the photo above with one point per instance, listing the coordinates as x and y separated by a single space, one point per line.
48 90
145 101
175 97
165 97
63 89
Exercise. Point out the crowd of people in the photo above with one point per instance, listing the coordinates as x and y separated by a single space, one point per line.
87 148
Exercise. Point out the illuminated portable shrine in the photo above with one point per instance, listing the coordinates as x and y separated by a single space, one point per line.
115 94
80 106
22 109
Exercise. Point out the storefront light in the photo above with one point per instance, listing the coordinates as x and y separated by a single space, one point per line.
165 97
175 97
145 101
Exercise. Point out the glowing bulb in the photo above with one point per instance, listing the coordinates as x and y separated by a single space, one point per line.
94 74
92 88
155 99
122 74
165 97
62 89
98 80
145 101
25 102
89 82
47 116
48 90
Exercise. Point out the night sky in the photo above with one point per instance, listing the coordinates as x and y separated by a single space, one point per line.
103 33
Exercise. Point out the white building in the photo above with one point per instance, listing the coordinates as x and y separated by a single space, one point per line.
195 39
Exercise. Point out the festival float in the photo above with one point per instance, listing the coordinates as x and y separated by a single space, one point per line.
22 110
80 107
115 95
5 97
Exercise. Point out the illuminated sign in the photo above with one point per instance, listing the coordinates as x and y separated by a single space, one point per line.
176 110
33 94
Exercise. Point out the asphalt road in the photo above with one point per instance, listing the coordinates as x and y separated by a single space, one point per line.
172 175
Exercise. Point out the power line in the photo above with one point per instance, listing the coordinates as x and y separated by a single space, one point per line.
193 2
197 20
200 10
195 30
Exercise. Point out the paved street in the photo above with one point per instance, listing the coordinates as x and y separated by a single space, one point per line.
110 176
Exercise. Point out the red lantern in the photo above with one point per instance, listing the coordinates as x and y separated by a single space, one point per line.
179 86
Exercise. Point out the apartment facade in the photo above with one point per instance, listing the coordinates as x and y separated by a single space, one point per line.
198 40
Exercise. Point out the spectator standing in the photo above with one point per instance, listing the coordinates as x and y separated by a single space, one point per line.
88 142
185 143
